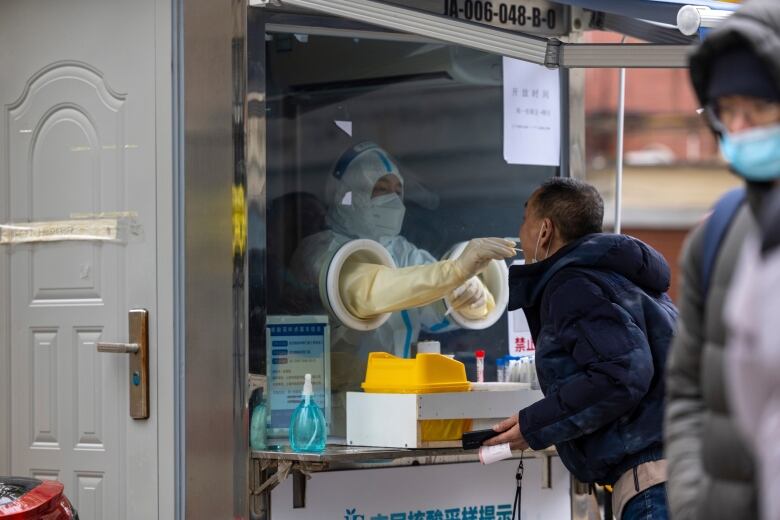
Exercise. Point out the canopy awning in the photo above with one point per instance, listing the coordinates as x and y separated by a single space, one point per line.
636 17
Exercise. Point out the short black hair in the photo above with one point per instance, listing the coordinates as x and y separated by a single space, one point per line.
574 206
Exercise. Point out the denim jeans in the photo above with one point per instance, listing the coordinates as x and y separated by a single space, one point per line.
650 504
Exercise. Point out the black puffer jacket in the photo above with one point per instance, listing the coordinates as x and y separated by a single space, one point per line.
602 324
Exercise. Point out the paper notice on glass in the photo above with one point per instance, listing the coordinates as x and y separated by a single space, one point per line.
532 114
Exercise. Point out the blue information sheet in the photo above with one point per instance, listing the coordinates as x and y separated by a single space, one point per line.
296 346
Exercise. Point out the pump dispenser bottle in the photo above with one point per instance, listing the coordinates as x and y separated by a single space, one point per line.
307 426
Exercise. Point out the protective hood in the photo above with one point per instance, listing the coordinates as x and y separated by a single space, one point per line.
352 211
624 255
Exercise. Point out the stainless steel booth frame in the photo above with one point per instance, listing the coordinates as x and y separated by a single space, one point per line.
210 310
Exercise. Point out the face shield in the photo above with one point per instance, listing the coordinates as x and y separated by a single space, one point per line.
353 210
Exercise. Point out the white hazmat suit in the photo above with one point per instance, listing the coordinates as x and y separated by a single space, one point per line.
354 214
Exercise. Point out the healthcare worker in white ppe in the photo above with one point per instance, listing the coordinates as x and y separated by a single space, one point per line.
366 193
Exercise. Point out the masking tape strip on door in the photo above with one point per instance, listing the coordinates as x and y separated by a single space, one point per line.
121 230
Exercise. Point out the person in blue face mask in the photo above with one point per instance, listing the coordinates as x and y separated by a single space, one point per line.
735 73
749 126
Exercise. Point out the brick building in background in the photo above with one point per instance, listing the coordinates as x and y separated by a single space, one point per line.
672 169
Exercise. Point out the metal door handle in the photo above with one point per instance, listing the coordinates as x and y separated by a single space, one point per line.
138 348
118 348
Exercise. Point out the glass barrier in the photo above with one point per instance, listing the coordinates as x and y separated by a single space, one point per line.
351 122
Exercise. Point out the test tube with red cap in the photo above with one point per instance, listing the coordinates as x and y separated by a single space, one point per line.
480 355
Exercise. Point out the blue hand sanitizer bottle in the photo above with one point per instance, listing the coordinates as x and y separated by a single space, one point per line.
307 426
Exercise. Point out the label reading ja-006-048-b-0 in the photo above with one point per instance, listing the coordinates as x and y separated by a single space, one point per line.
529 16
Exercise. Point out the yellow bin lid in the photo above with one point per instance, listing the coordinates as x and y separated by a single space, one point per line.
427 373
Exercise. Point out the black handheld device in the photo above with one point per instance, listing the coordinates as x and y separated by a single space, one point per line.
474 439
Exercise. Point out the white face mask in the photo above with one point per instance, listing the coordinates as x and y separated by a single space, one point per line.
384 216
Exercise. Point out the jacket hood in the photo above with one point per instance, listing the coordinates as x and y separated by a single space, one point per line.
622 254
755 24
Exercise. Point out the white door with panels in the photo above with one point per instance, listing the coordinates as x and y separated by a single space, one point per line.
79 156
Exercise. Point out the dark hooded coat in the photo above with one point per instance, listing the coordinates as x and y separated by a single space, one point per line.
602 324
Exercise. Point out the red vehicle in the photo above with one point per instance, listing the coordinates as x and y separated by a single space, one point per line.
24 498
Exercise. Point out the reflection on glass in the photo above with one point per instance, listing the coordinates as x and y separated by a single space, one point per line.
400 142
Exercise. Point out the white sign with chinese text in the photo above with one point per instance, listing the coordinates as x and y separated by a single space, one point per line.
532 114
469 491
520 341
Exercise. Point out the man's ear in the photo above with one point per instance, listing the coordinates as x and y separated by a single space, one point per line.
549 231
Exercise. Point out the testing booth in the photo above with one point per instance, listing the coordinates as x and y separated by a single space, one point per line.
472 104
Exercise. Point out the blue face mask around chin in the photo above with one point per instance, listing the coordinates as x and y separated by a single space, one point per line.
754 154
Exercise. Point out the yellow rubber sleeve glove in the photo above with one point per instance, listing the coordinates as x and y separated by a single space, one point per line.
472 299
370 289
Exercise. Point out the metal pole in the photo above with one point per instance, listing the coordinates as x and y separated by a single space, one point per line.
619 160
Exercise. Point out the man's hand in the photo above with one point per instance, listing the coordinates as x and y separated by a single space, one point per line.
510 432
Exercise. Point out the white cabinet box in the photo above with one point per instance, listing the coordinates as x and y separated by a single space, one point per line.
393 420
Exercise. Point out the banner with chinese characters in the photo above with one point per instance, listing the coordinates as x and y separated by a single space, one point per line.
296 346
469 491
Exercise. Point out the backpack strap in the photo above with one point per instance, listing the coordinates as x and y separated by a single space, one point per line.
715 230
770 225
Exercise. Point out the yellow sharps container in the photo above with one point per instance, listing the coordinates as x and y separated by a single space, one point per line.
425 374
